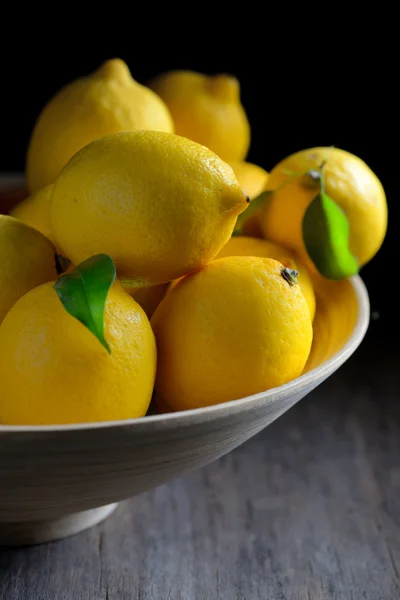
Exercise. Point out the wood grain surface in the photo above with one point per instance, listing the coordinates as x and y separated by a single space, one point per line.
308 509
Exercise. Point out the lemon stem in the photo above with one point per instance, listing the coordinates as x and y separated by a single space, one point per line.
290 275
317 175
322 177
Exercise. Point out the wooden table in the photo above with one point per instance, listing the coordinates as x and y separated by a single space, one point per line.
308 509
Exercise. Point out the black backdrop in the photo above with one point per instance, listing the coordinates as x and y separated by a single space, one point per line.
292 104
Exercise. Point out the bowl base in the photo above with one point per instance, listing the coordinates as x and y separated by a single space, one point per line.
29 533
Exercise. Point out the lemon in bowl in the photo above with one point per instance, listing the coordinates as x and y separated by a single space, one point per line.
58 480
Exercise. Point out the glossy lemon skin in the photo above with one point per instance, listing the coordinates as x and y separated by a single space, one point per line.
207 109
159 204
249 246
349 182
232 329
107 101
335 319
251 177
53 370
27 259
148 297
35 211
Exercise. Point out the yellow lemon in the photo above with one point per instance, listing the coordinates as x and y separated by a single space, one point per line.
248 246
148 297
27 259
336 317
53 370
107 101
207 109
234 328
35 211
159 204
348 181
251 177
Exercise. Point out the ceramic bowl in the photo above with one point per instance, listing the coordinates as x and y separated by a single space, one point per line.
59 480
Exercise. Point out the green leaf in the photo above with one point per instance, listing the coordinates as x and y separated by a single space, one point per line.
326 238
83 293
252 208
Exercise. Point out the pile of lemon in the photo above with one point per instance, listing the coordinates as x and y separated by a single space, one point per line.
201 311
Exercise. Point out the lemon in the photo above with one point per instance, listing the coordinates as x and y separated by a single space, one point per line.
159 204
35 211
348 181
335 320
107 101
148 297
53 370
232 329
251 177
207 109
27 259
249 246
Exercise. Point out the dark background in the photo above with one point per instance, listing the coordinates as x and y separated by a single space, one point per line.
295 99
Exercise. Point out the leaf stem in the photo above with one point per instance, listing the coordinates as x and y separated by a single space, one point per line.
322 176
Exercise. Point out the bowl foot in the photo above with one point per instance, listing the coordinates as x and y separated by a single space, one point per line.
29 533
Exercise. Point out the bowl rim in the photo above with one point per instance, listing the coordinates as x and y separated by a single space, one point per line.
232 407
